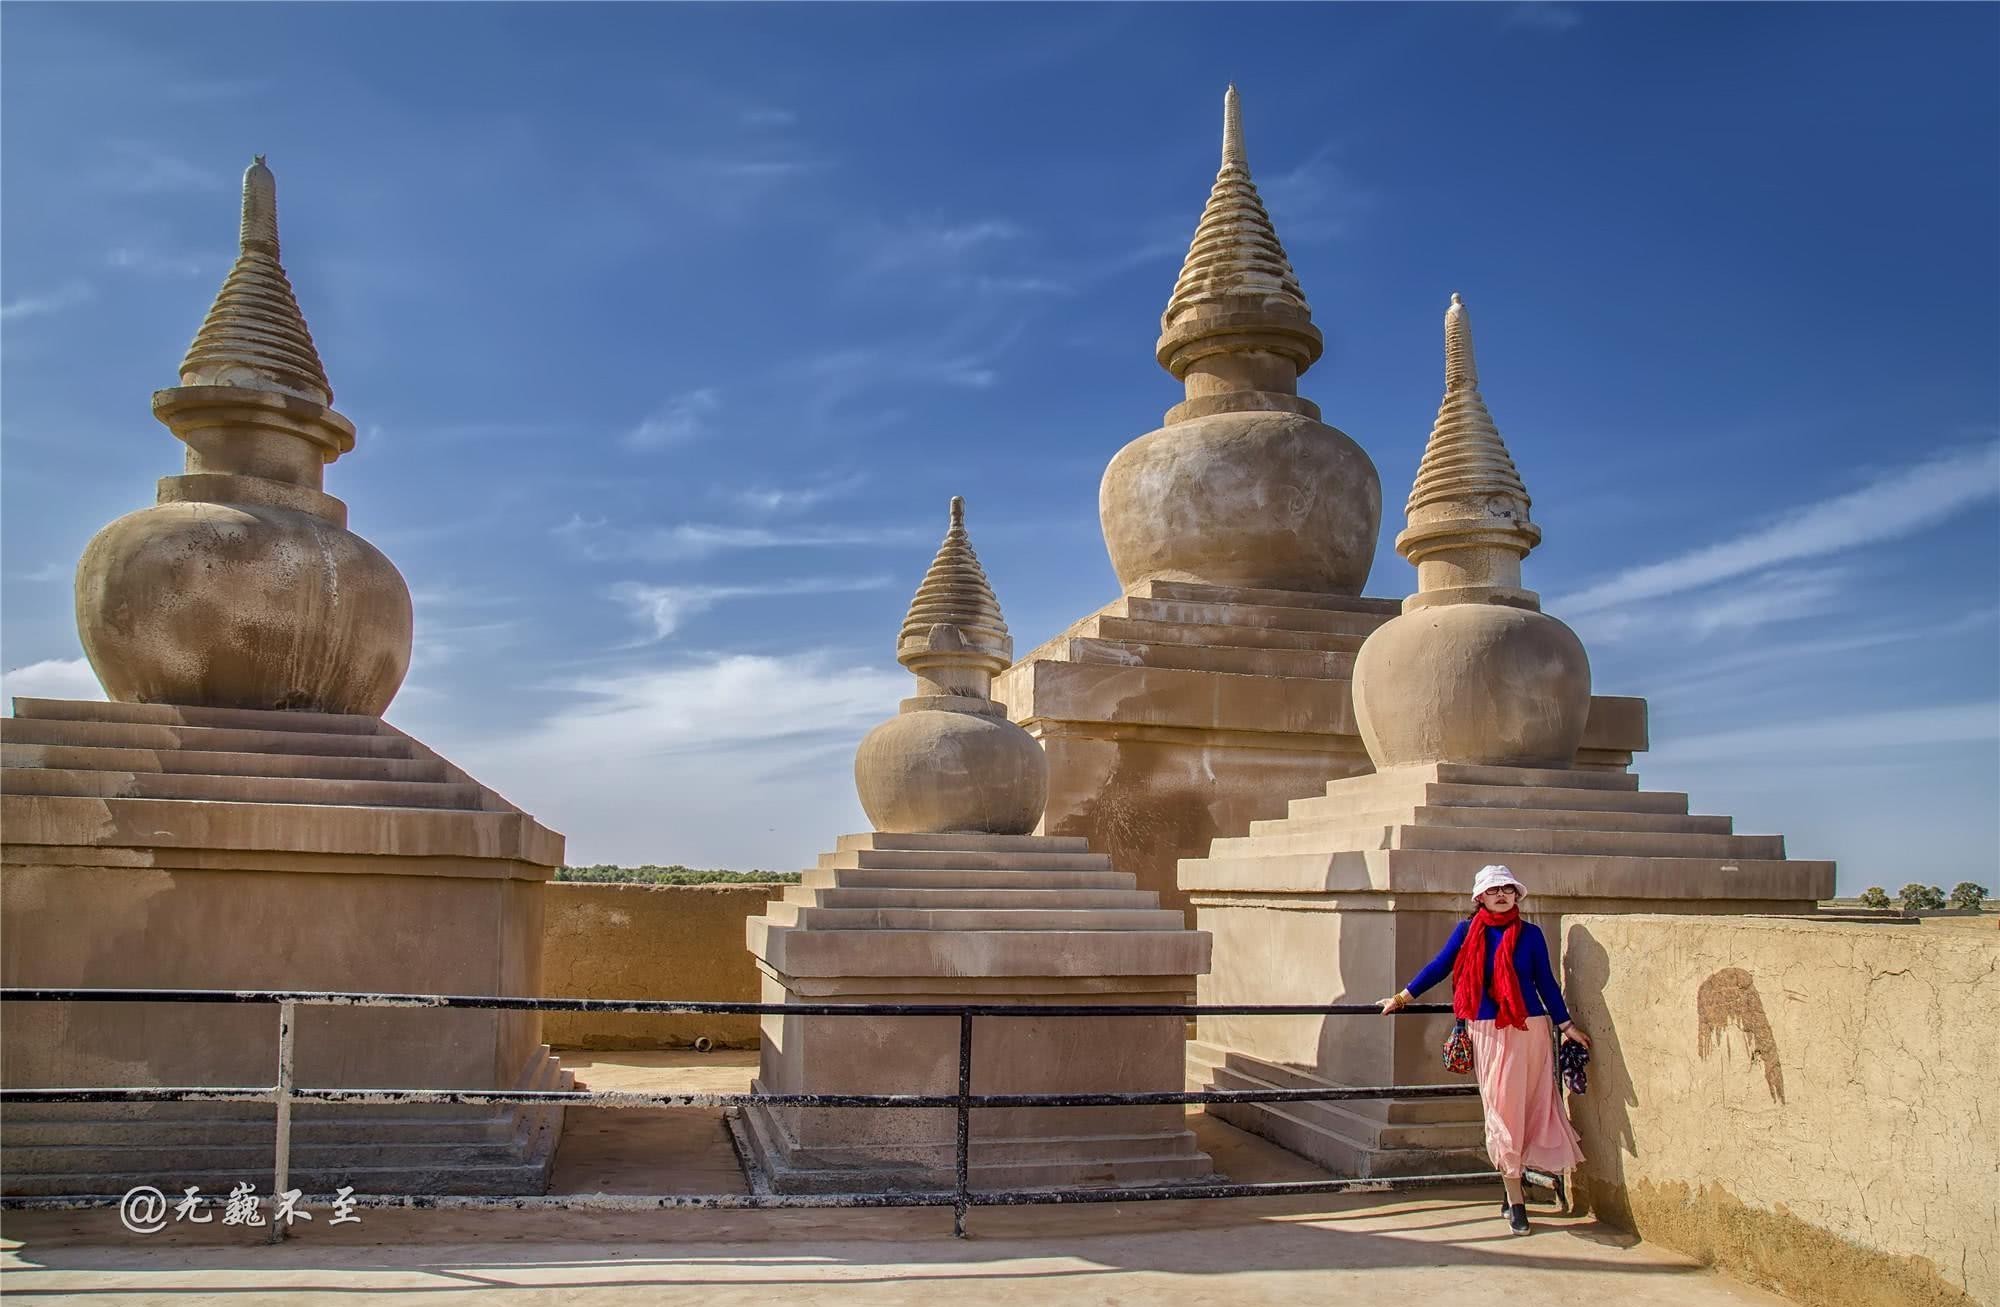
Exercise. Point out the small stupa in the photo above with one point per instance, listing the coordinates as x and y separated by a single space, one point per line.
951 899
242 587
1472 704
1473 671
950 760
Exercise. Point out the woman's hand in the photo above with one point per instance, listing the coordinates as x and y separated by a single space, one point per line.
1575 1035
1396 1002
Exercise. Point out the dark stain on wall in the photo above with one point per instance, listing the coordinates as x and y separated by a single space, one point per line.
1729 997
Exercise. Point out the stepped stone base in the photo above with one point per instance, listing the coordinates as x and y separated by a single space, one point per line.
1026 920
1348 896
151 846
1183 712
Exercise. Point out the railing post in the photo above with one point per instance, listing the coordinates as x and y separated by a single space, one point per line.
963 1157
281 1169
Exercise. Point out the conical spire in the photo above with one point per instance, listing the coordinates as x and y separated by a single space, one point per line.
254 335
1465 460
1236 281
955 594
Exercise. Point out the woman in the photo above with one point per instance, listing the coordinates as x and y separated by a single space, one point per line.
1502 985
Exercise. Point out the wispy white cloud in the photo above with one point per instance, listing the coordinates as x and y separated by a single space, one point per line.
1893 505
63 297
1740 666
152 263
741 760
1315 199
1765 599
1949 723
769 116
856 369
51 678
930 246
602 541
47 573
137 168
1543 15
768 500
685 417
663 608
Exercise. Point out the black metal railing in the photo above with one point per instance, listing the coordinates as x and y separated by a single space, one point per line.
960 1198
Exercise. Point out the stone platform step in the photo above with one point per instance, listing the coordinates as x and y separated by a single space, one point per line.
26 1128
1114 627
905 878
887 841
1333 806
1336 1137
1501 816
220 739
1198 593
1499 839
1555 778
1662 879
1182 613
1237 660
163 714
817 916
210 762
240 788
973 859
163 1159
1058 899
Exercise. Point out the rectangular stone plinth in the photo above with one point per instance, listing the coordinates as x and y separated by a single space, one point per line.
1025 920
158 847
1181 713
1348 897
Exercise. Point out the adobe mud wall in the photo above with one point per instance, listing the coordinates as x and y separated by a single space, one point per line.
650 941
1807 1105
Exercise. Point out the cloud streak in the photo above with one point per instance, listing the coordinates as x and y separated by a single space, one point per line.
665 608
67 296
601 541
1895 505
683 418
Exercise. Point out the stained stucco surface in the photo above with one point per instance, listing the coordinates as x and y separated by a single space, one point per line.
1810 1105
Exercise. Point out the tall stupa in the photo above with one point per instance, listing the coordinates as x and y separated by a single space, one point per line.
1215 688
951 899
240 817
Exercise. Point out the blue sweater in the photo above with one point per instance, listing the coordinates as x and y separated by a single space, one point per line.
1531 963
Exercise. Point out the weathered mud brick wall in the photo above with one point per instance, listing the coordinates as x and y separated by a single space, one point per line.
1811 1106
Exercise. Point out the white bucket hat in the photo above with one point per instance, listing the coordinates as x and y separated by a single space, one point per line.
1495 874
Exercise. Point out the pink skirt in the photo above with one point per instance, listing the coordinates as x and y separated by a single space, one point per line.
1525 1122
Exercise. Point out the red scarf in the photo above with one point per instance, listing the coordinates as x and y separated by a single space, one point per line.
1468 980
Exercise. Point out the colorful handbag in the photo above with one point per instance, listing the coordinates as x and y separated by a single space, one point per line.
1458 1050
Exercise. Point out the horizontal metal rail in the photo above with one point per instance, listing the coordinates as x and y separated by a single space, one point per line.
285 1095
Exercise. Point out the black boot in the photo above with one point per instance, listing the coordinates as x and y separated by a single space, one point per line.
1517 1218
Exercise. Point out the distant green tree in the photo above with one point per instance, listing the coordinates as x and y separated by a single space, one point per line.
1965 894
1874 897
1921 898
673 874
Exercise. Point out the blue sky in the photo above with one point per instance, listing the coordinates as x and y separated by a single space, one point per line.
669 331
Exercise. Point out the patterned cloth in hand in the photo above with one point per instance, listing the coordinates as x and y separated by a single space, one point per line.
1571 1060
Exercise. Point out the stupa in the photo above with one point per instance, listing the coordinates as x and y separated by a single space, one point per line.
951 899
1472 704
1215 689
239 816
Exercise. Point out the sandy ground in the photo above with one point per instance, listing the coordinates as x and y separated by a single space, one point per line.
1441 1245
